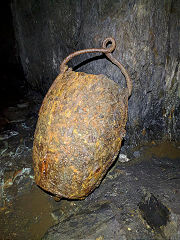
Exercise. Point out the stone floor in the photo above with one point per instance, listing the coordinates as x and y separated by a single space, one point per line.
139 199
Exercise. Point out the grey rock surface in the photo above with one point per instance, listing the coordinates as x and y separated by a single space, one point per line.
147 39
137 200
86 224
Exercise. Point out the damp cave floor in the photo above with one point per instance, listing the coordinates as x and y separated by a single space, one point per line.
120 208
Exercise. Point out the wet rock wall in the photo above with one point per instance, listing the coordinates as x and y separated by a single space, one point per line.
147 39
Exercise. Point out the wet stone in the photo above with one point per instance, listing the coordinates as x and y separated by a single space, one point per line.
16 138
164 222
123 158
112 211
86 222
136 154
154 212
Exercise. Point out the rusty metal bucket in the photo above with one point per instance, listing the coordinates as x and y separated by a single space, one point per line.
80 128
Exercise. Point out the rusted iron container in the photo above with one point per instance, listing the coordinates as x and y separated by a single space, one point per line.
80 128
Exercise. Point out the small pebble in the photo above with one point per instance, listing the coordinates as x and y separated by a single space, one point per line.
136 154
23 105
123 158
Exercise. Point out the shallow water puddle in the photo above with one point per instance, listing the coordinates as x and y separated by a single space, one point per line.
169 150
28 217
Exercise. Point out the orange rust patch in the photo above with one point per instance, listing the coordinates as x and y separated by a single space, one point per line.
78 134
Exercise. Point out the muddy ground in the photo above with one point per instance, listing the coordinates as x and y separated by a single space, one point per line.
138 199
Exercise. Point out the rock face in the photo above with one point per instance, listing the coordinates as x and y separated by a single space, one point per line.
146 33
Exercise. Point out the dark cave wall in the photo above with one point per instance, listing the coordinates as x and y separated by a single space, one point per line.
147 38
11 73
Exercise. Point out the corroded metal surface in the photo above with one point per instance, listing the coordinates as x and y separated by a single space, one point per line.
79 132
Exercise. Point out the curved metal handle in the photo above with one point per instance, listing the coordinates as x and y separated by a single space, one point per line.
107 51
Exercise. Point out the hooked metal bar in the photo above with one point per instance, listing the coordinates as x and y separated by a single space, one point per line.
107 51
